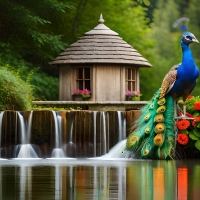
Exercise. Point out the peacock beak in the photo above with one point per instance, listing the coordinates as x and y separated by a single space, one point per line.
195 40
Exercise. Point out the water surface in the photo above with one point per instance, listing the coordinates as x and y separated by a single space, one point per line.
85 179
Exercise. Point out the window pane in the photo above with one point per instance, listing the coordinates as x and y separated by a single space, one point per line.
129 74
126 72
133 74
133 85
129 86
79 73
87 73
87 85
80 85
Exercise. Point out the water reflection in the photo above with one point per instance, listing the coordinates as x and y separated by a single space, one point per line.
86 179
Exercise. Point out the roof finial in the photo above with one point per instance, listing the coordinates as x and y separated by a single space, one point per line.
101 20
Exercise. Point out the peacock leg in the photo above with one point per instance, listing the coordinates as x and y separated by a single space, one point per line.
183 116
184 109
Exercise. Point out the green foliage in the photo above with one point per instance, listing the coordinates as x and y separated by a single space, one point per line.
29 26
57 107
45 87
190 104
15 94
34 32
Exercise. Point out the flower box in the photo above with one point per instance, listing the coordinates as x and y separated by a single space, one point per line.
77 97
81 95
133 96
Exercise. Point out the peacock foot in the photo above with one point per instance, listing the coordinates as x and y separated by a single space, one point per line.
183 117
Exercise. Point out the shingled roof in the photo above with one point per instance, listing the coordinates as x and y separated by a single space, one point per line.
101 45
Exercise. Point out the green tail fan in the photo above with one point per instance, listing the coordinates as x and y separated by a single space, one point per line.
153 133
167 150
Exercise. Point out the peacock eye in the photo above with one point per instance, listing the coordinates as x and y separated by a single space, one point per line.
189 37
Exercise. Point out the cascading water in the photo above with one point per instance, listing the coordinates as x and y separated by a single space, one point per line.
1 118
122 126
57 151
103 132
95 132
26 150
71 133
70 147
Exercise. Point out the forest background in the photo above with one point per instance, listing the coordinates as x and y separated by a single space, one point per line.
33 33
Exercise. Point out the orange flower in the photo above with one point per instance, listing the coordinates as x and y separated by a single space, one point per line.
182 124
197 105
189 97
182 139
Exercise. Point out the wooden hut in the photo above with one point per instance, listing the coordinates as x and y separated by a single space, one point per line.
101 62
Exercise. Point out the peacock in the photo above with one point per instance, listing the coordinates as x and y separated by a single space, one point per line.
153 134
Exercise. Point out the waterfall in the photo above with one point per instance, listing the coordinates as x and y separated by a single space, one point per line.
26 150
122 126
71 132
57 151
22 129
29 127
103 132
1 118
57 135
95 132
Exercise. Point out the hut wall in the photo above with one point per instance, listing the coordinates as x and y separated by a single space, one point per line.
65 83
108 83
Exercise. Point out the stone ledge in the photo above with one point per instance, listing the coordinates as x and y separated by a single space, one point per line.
99 105
90 102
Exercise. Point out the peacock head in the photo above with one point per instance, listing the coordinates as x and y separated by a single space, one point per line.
188 38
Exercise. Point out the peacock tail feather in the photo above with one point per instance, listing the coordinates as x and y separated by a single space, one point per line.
153 133
167 150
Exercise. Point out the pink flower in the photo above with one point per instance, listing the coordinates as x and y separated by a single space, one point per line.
128 93
137 92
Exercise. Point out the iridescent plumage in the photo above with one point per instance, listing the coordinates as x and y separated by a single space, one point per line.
153 134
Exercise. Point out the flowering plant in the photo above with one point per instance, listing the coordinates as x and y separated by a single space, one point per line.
189 129
132 94
84 93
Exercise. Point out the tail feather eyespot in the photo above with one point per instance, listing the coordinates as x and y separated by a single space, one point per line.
161 109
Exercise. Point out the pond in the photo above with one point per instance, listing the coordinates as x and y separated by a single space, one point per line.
85 179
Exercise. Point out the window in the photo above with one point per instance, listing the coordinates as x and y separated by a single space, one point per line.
131 79
83 78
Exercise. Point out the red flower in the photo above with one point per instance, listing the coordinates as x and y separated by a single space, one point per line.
197 119
189 115
194 123
182 139
189 97
197 105
182 124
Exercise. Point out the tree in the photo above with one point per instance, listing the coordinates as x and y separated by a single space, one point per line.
30 36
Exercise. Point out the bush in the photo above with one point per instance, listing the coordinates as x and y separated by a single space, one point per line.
15 94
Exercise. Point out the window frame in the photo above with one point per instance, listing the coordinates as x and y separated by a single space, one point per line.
131 83
83 78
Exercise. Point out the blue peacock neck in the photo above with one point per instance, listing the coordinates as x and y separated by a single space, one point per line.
187 59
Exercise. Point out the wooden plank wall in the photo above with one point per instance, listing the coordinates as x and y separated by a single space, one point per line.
108 83
66 83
